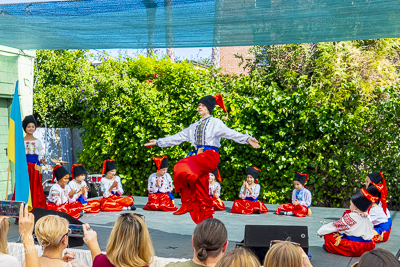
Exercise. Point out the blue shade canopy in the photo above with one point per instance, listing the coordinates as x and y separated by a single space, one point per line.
193 23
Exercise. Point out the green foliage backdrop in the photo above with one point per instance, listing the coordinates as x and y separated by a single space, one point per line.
311 110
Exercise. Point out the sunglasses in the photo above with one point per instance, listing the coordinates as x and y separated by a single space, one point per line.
66 234
273 242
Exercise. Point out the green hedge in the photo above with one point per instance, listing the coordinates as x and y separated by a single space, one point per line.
127 101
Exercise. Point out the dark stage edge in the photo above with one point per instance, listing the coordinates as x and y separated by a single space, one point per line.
171 234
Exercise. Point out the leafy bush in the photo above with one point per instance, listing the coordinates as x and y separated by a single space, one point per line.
337 134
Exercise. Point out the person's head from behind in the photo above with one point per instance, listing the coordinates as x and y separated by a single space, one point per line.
52 232
4 226
210 240
129 243
283 254
378 258
239 257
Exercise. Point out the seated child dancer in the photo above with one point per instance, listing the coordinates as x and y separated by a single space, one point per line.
379 214
59 199
160 188
357 228
215 190
301 198
249 193
80 189
112 190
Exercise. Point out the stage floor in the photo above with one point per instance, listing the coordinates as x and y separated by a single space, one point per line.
171 234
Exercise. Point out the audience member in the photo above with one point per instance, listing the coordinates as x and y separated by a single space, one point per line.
52 233
239 257
5 259
378 258
129 243
286 254
210 241
25 225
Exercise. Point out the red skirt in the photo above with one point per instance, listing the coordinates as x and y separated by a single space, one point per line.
191 177
334 243
383 237
92 206
72 209
37 193
217 204
115 203
160 201
243 206
298 211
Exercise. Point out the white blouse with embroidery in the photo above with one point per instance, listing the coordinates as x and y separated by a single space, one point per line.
73 185
165 184
215 188
34 147
107 183
256 191
352 223
209 134
58 195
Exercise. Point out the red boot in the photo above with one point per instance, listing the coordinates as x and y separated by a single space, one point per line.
186 199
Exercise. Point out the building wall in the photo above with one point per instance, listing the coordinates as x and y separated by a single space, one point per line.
229 63
14 65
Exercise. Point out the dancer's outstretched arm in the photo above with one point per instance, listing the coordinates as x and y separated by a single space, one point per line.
172 140
253 142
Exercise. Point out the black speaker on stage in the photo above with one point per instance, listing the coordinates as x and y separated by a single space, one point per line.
72 241
258 237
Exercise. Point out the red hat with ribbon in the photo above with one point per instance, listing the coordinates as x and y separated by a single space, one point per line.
59 172
77 169
161 162
108 165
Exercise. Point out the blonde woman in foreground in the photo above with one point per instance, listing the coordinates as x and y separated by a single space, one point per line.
129 243
286 254
52 233
239 257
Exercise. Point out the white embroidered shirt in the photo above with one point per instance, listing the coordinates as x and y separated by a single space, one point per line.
165 183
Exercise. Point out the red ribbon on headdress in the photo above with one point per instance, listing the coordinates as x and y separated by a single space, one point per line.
158 161
370 197
384 182
104 166
54 174
72 170
219 177
305 175
220 102
382 189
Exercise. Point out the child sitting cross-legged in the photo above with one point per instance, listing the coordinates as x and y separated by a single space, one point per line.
59 199
112 190
214 189
249 193
160 188
379 214
352 234
80 189
301 199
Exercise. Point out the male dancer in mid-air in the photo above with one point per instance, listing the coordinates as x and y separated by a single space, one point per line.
191 173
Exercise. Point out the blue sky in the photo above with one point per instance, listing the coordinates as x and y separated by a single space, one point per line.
180 53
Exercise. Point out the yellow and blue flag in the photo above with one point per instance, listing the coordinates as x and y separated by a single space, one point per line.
16 152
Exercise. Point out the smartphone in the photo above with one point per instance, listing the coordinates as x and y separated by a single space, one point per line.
76 230
10 208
